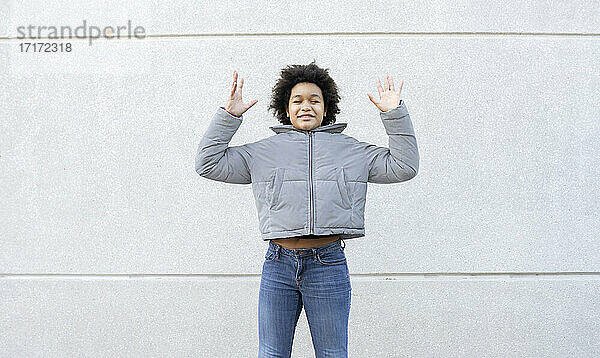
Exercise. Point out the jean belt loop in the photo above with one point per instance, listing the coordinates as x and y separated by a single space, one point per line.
314 253
343 244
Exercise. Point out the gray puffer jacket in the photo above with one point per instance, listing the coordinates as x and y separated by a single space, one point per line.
309 182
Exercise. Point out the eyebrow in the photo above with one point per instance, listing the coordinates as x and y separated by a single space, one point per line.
312 95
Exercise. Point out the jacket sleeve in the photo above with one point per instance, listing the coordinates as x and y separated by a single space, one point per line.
215 159
401 161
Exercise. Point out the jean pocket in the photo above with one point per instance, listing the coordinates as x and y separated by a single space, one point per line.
335 257
270 256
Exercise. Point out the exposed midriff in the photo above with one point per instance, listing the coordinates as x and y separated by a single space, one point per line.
306 241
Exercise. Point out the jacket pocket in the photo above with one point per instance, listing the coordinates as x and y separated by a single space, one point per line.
343 188
275 187
288 200
333 207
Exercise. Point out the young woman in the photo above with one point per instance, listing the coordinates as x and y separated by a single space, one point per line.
309 182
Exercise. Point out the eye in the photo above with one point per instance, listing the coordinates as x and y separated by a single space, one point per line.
296 101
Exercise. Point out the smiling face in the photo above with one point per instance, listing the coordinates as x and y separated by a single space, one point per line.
306 107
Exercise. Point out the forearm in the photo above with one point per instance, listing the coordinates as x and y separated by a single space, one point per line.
215 159
399 162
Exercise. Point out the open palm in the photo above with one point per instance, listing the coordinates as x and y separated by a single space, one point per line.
389 98
235 105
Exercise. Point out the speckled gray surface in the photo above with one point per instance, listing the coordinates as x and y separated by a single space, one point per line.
199 317
100 164
229 16
96 165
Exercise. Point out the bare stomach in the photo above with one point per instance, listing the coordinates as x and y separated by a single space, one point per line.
298 243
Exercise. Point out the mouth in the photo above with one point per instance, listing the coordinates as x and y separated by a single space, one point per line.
306 117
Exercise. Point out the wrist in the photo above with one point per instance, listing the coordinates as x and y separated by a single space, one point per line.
235 115
389 109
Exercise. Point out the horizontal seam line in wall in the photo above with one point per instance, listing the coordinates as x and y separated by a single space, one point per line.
276 34
452 276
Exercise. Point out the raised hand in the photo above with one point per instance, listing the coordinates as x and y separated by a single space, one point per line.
235 105
389 98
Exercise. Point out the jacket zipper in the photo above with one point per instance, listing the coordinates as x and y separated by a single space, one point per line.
310 181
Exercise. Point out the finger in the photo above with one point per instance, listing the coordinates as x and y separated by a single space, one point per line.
372 99
241 84
379 89
234 84
392 84
387 85
233 87
400 86
251 103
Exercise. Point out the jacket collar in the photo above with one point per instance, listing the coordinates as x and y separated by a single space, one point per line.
331 128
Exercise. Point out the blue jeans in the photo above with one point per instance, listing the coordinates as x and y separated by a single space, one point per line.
315 278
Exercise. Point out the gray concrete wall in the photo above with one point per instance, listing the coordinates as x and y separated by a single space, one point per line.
111 244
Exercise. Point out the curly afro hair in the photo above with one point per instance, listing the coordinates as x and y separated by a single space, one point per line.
294 74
